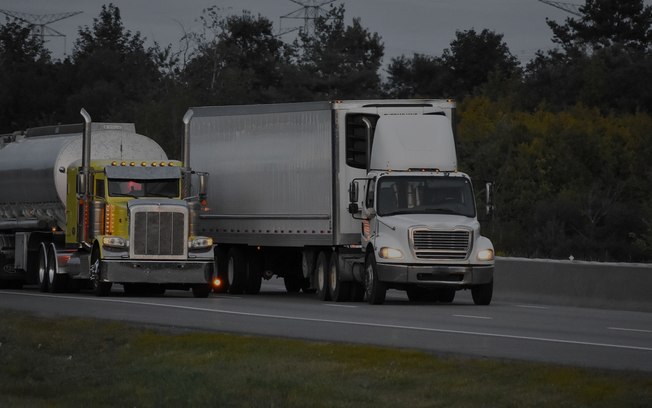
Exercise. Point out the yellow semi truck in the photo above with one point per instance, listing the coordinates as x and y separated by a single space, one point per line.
93 204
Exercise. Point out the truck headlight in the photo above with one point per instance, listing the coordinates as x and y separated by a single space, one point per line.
114 242
200 243
390 253
486 255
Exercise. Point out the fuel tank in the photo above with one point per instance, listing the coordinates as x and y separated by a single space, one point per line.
33 167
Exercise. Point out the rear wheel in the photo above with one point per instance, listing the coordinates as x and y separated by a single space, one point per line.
42 271
56 282
482 294
339 290
321 276
375 291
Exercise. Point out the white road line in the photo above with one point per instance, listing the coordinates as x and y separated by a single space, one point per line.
473 317
533 307
631 330
336 305
346 322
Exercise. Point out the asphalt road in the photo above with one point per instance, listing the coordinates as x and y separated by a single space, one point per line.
545 333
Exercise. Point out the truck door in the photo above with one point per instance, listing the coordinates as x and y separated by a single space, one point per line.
368 213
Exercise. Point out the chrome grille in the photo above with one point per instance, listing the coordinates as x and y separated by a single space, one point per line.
158 231
452 245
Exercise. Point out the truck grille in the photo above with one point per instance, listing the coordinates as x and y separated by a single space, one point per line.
452 245
158 232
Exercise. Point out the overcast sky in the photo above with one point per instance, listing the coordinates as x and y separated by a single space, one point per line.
405 26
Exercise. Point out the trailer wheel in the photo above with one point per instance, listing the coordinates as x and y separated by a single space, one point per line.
321 276
99 287
42 268
56 282
236 270
375 290
340 291
482 294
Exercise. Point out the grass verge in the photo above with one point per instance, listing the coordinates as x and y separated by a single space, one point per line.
52 362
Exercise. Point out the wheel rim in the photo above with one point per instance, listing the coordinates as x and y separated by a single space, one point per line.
333 276
321 279
52 269
41 267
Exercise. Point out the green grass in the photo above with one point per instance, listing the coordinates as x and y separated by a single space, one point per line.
66 362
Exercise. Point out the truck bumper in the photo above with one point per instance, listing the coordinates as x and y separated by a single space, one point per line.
157 272
436 275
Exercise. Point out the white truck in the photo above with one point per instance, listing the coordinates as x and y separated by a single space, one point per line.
343 198
78 211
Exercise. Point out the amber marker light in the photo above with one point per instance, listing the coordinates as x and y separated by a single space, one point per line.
217 282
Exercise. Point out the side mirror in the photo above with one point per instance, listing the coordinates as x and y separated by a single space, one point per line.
353 208
353 193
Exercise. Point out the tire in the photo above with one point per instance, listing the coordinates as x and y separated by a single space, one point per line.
201 290
444 295
99 287
321 276
42 269
339 291
255 266
221 264
482 294
375 291
56 282
236 270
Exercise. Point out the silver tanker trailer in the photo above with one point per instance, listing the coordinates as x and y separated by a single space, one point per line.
78 211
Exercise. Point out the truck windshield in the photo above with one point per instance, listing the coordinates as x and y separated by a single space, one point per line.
144 188
425 195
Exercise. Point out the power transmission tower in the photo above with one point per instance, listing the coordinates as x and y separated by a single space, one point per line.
309 11
572 8
38 23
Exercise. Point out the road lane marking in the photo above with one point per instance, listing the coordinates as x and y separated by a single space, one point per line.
336 305
533 307
344 322
473 317
630 330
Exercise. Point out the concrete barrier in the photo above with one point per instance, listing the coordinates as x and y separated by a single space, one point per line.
574 283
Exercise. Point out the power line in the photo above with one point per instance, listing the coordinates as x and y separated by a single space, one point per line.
571 8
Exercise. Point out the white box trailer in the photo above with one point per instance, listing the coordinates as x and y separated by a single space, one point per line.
292 193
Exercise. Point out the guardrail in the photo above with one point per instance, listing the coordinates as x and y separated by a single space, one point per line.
574 283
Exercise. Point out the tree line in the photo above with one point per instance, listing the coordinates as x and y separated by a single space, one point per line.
564 138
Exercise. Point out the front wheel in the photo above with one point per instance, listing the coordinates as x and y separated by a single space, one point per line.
482 294
100 288
374 289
